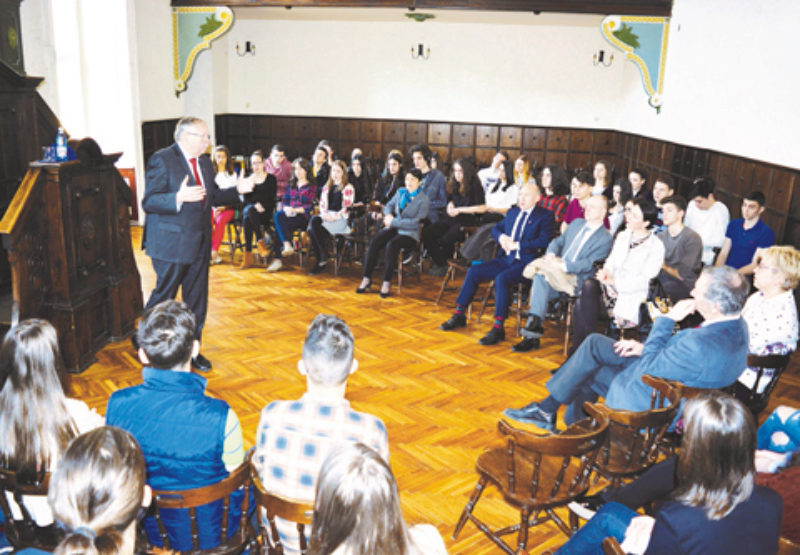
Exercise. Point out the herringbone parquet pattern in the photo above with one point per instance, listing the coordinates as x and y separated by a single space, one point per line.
439 393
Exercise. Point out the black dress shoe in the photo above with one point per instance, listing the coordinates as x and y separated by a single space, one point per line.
534 325
201 363
135 342
533 414
365 288
527 344
455 321
318 268
495 336
384 294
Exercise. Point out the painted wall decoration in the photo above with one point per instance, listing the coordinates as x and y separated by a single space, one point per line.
193 29
644 42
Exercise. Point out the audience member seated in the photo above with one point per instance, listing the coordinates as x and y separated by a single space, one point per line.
391 180
638 180
522 170
622 284
225 178
620 195
358 177
683 249
294 437
555 189
581 190
357 509
715 507
325 145
320 170
663 187
334 203
603 178
491 176
432 184
771 312
709 356
36 420
746 234
97 493
568 262
464 199
294 210
280 167
522 235
259 206
401 222
500 195
189 439
707 216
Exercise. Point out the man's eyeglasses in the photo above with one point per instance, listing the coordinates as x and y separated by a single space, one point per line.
201 135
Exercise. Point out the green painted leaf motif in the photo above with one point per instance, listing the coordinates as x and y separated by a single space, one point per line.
211 24
627 36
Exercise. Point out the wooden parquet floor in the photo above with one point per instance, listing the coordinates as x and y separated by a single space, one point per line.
440 394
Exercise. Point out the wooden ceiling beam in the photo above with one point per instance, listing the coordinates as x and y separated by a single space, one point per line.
621 7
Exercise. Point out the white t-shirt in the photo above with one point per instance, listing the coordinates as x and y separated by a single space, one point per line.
710 225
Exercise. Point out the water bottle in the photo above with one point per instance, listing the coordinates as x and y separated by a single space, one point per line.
61 145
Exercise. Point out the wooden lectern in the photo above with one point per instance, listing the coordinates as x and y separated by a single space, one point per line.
68 239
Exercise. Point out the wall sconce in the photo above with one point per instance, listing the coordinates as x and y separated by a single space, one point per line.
249 48
600 58
420 52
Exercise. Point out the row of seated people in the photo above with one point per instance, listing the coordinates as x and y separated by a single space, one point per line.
191 440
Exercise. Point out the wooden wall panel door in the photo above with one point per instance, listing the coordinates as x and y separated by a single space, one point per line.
780 191
557 140
580 141
393 134
371 131
348 130
444 155
416 134
483 156
439 133
511 139
326 128
463 135
283 128
303 129
459 152
486 136
533 138
582 160
606 142
557 158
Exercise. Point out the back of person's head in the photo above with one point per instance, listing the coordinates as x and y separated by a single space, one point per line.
357 507
35 426
726 288
328 350
716 466
787 259
756 196
166 333
702 187
97 491
677 201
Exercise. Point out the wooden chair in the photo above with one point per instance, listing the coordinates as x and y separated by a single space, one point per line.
538 473
634 437
455 264
24 532
752 399
192 498
233 240
517 305
274 505
411 258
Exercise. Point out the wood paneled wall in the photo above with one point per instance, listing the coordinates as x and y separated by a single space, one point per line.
570 147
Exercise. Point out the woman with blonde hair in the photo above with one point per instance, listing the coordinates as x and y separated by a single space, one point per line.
97 493
522 170
357 509
334 203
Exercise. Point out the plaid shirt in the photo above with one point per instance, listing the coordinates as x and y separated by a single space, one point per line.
303 196
557 204
293 439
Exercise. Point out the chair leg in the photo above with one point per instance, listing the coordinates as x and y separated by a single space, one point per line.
400 257
519 308
476 494
522 538
568 327
447 277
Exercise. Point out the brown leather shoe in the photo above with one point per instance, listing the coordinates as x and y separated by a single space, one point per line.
263 249
248 261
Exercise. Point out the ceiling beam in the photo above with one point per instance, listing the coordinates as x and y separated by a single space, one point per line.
603 7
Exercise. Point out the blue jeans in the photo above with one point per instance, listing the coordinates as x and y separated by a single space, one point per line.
611 520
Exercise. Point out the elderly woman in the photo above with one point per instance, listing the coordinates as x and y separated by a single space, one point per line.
401 218
771 312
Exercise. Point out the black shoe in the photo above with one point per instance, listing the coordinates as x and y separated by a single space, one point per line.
384 294
534 325
587 505
527 344
318 268
365 288
533 414
495 336
135 342
455 321
201 363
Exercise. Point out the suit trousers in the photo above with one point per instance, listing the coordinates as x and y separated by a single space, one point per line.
586 375
541 293
193 281
504 271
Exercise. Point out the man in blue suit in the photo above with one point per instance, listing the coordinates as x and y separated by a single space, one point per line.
178 196
709 356
522 235
574 252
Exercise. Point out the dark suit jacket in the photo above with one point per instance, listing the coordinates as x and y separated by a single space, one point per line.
172 235
752 528
596 247
539 229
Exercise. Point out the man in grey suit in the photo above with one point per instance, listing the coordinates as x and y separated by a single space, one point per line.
178 196
583 242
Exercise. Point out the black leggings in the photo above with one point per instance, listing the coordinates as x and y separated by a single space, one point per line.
440 238
318 235
393 242
253 220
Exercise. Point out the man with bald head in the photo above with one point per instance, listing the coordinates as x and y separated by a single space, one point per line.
522 235
573 252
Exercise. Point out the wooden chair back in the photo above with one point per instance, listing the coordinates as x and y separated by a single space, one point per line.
634 437
300 512
192 498
24 532
753 399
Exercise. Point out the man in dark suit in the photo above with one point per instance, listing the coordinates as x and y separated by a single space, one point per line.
522 235
710 356
178 196
574 252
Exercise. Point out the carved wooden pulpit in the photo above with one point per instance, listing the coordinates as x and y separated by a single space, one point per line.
67 234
